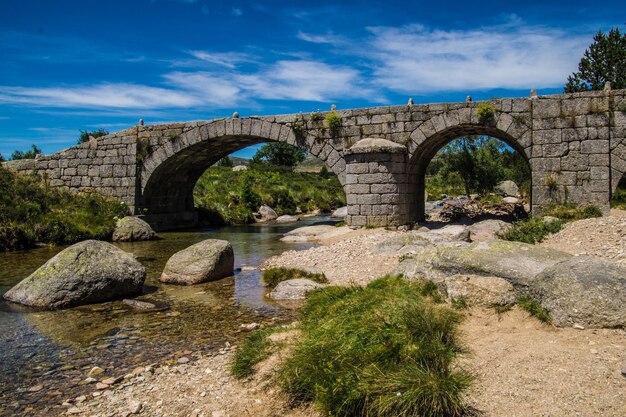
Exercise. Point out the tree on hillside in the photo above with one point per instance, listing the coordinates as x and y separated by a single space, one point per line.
604 60
225 162
1 158
279 153
84 135
29 154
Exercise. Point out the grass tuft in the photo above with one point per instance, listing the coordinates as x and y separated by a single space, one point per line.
381 350
273 276
254 348
534 308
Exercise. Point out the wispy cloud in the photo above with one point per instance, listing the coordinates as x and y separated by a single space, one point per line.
226 59
236 11
327 38
418 59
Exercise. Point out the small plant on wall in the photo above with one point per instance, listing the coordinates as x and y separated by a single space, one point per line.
486 112
333 121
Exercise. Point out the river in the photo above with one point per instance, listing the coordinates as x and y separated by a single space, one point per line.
47 354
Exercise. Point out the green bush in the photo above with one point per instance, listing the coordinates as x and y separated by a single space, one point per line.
273 276
382 350
278 187
32 212
333 121
84 135
485 112
531 231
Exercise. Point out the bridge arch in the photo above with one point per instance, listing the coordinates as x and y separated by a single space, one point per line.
433 135
174 162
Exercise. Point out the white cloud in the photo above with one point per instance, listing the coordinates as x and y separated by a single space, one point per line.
236 11
226 59
417 59
328 38
97 96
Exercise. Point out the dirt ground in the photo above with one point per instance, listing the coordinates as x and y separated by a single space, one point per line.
522 366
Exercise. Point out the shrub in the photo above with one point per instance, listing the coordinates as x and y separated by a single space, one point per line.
273 276
84 135
333 121
485 112
532 231
382 350
29 154
571 212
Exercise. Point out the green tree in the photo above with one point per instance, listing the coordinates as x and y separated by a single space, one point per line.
84 135
1 158
29 154
225 162
279 153
604 60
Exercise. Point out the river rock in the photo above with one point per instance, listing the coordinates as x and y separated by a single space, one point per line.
516 262
402 244
487 230
511 200
314 233
139 305
240 168
293 289
131 229
475 289
451 232
507 189
584 291
208 260
286 219
341 212
85 273
265 214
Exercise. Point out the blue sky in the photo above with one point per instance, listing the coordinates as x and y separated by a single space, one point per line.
72 65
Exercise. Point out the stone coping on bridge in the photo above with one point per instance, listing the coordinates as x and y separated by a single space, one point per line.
375 145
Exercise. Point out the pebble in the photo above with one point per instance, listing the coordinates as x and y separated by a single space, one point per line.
112 381
135 407
73 410
578 327
35 388
96 370
81 399
624 371
250 326
101 385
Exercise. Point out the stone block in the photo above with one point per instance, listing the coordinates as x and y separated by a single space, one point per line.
357 168
384 188
546 108
357 189
594 146
368 199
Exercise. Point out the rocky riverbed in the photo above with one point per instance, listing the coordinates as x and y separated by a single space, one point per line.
522 366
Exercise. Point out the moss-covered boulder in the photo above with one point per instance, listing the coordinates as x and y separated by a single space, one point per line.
516 262
132 229
208 260
85 273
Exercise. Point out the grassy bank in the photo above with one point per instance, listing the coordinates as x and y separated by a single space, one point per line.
536 228
387 349
224 196
32 213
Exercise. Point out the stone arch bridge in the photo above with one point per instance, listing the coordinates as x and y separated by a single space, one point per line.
575 145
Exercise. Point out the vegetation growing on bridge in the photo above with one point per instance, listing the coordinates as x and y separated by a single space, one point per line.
224 196
32 213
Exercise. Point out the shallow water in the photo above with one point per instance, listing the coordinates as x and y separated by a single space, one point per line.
55 349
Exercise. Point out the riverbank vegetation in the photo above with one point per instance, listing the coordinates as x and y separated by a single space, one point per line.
475 165
33 213
551 220
387 349
224 196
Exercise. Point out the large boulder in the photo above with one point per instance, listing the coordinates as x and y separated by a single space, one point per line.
516 262
131 229
341 212
87 272
487 230
208 260
286 218
475 289
293 289
265 214
583 291
507 189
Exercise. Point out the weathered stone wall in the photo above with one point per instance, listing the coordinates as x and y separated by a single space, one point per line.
575 145
106 165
